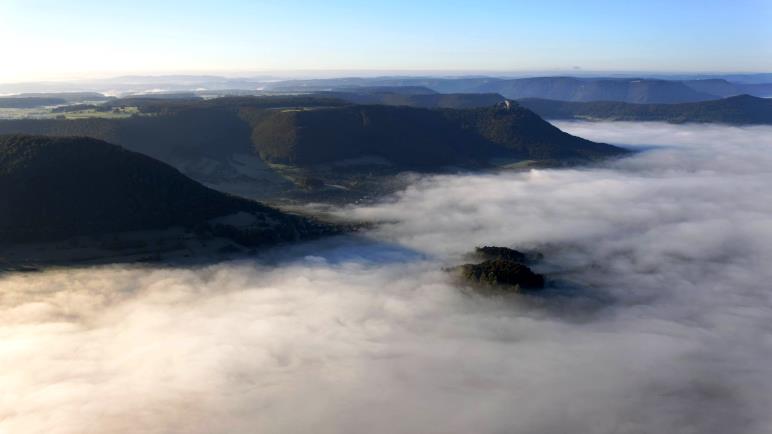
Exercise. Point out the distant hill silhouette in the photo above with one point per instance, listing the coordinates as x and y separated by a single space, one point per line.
651 88
425 100
31 102
70 97
566 88
578 89
736 110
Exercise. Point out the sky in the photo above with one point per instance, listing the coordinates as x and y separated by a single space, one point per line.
51 39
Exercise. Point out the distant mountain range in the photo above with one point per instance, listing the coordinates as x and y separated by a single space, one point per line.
645 89
633 90
58 188
736 110
574 89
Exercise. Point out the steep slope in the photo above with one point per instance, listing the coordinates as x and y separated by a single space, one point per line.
736 110
56 188
416 137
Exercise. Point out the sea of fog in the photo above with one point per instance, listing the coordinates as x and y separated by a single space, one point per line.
659 319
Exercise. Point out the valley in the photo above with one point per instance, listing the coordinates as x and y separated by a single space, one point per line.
288 150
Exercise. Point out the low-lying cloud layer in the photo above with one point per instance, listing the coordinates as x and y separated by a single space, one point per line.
660 319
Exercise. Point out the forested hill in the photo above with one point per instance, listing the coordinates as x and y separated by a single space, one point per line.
309 130
57 188
415 136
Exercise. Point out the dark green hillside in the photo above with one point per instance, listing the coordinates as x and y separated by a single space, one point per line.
56 188
201 131
171 129
416 137
220 141
736 110
404 136
311 129
531 137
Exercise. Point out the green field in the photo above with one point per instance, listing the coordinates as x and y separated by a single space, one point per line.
47 113
119 113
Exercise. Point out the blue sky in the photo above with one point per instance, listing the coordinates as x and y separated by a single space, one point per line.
41 39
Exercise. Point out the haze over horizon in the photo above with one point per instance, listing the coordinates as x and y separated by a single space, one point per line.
91 39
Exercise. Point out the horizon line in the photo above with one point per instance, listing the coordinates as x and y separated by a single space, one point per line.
373 73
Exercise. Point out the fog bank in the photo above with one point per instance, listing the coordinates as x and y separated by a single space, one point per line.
659 318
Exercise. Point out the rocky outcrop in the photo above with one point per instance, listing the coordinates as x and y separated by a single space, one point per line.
502 268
